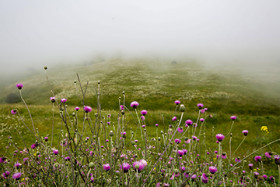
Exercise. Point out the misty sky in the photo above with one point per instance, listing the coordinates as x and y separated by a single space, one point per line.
34 33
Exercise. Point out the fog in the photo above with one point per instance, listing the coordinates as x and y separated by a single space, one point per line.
218 33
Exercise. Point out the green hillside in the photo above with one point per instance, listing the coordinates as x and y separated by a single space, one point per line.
156 84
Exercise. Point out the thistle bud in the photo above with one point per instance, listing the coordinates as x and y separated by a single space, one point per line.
182 108
111 133
91 164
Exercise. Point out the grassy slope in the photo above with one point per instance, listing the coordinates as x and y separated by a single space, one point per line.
155 85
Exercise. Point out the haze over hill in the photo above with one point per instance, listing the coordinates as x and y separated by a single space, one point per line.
155 83
218 33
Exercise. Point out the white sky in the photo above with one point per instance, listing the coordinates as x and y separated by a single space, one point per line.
37 32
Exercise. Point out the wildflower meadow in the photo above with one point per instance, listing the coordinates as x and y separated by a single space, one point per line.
85 145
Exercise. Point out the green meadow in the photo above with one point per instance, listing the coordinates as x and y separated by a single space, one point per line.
155 84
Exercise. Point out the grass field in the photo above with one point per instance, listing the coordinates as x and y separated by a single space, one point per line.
155 85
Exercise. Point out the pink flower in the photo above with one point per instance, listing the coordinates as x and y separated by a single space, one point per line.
220 137
180 130
177 102
144 112
19 86
63 100
200 105
14 111
233 117
106 167
87 109
134 104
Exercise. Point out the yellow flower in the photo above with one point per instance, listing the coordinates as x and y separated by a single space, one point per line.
264 129
214 159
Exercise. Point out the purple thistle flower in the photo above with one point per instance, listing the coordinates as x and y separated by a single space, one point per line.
77 108
271 178
233 118
258 158
17 165
67 158
63 100
193 177
182 168
142 118
125 167
204 178
237 159
220 137
265 176
144 112
17 176
200 105
108 123
256 174
138 166
121 107
201 119
213 169
224 155
46 138
202 111
19 86
33 146
180 152
13 111
185 151
144 162
245 132
267 154
194 137
106 167
250 166
174 118
177 102
52 99
143 126
277 159
156 125
177 141
87 109
188 122
55 151
180 130
186 175
91 179
25 160
134 104
6 174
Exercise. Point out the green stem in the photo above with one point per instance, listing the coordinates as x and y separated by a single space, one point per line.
254 152
239 145
28 112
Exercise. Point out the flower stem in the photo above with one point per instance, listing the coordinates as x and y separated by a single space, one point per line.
239 145
28 112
